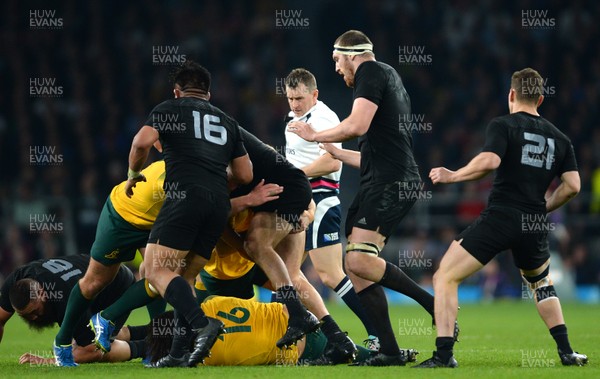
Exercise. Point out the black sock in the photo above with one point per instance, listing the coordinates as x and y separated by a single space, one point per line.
375 304
394 278
179 295
137 349
329 327
182 336
444 346
560 335
346 292
288 296
137 332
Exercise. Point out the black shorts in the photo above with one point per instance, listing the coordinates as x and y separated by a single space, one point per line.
292 202
502 228
242 287
83 335
380 207
192 220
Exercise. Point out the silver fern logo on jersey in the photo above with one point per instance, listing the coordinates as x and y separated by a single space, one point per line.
291 19
414 55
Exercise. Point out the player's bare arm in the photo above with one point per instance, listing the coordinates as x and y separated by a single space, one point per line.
143 141
346 156
259 195
569 188
353 126
324 165
480 166
241 169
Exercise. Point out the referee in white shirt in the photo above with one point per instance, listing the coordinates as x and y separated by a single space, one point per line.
323 236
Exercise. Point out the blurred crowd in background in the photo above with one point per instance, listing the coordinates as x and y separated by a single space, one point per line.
78 83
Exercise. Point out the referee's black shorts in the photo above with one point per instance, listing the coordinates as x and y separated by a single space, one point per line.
192 218
380 207
500 228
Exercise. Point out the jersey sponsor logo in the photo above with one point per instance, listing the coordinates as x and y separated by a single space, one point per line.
112 255
329 237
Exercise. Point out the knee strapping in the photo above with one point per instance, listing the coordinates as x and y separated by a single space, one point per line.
363 247
541 285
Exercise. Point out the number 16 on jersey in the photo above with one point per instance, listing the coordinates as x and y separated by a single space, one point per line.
213 131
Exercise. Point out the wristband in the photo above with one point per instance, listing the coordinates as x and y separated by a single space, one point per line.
133 174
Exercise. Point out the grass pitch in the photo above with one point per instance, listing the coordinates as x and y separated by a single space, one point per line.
504 339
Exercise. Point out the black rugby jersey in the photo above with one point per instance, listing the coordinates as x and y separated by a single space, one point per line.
386 148
533 153
199 140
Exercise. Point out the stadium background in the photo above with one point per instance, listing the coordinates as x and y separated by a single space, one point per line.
79 78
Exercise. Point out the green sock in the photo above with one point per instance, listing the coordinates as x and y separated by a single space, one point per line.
76 306
156 307
135 297
200 295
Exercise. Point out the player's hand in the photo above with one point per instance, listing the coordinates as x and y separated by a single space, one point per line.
306 218
440 175
34 359
130 184
331 149
263 193
302 129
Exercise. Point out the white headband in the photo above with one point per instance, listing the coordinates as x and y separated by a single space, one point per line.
353 50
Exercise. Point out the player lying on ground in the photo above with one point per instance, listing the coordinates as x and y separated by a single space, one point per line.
253 329
220 278
528 152
37 292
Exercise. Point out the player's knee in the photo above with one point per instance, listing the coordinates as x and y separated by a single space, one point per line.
252 246
91 286
438 278
359 257
541 285
326 279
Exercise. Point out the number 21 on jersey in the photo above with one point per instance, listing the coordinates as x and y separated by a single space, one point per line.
533 154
